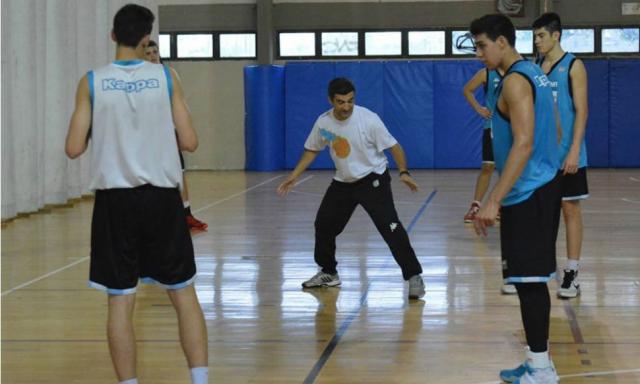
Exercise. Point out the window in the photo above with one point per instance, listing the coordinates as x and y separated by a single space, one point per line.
464 40
297 44
195 46
578 40
382 43
524 42
164 45
620 40
339 43
426 42
237 45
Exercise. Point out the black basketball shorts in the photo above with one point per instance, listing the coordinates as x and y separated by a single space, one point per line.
140 234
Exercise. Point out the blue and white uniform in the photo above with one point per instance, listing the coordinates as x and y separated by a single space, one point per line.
138 229
544 162
560 79
132 122
530 212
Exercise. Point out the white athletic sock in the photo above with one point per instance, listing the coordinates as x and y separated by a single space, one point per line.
130 381
538 360
199 375
573 264
186 204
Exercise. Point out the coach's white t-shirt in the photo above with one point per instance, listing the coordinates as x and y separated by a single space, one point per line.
132 135
356 144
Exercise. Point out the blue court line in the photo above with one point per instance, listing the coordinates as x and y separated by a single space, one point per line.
333 343
421 210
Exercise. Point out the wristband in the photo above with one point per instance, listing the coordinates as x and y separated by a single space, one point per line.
405 172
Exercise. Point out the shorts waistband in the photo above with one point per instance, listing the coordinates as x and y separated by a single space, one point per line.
143 187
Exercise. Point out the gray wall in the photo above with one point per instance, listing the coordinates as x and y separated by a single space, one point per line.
385 15
222 17
215 94
214 89
218 17
594 12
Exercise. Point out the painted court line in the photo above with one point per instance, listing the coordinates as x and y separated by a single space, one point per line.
48 274
317 367
306 193
574 325
235 195
44 276
631 201
303 180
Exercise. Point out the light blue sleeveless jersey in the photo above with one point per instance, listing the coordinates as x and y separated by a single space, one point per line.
544 162
563 97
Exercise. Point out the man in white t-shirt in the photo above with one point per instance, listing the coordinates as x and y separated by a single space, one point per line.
357 139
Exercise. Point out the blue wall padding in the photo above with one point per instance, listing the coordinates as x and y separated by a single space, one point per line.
264 117
306 95
408 109
367 78
422 104
458 128
624 116
597 134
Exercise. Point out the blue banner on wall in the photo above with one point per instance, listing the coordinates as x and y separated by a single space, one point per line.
264 117
624 113
597 133
458 128
422 104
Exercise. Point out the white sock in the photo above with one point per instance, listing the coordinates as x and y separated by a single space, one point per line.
199 375
573 264
538 360
130 381
186 204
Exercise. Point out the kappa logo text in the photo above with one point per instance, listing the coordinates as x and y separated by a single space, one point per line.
129 86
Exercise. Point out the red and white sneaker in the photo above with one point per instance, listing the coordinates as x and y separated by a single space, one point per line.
194 223
473 211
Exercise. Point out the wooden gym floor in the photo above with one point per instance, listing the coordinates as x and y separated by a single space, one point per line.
263 328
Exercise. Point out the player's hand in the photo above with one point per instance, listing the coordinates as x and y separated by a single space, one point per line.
409 182
484 112
486 217
570 164
287 185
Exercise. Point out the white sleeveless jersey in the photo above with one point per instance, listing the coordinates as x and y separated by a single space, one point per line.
132 135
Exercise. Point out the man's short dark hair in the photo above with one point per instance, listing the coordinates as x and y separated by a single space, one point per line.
131 24
152 44
549 21
340 86
494 26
